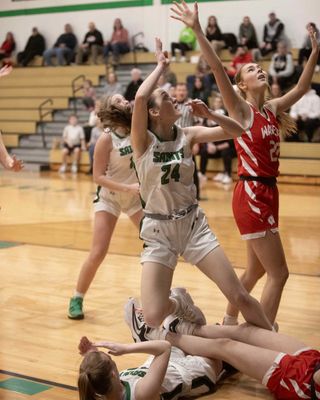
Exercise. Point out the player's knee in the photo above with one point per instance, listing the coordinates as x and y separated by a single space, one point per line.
98 254
250 277
281 276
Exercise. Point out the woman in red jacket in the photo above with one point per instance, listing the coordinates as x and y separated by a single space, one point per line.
7 46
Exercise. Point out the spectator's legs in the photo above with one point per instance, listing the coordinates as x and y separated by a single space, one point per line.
76 156
95 51
106 52
174 46
91 152
20 57
79 58
62 55
203 158
218 45
28 57
47 56
310 125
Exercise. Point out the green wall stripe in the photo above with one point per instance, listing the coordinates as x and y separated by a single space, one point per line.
76 7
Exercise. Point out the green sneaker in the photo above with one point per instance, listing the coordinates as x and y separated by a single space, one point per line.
75 308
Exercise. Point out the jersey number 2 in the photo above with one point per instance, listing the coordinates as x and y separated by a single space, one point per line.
274 151
175 174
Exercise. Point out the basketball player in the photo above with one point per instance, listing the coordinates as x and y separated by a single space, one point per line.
256 197
118 190
174 224
167 374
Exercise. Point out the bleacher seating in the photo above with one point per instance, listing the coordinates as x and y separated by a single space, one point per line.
25 89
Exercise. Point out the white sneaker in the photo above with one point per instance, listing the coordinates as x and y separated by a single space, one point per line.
183 59
219 177
173 59
186 308
140 331
74 168
178 325
226 179
317 68
63 169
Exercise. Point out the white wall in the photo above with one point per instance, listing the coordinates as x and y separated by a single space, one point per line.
155 21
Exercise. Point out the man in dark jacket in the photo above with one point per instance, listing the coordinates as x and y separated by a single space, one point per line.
91 45
35 47
63 48
134 85
273 33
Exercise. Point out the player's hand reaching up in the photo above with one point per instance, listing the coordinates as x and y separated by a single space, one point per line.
14 164
6 70
313 38
184 14
199 108
162 56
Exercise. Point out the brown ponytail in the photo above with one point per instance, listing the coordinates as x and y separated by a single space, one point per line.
112 116
95 376
286 124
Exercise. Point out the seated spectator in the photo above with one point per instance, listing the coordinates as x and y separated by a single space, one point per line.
273 33
170 76
199 90
223 149
214 35
35 47
134 85
92 45
247 34
112 86
95 134
92 122
73 143
203 71
63 49
7 47
305 51
118 44
242 56
281 68
306 112
187 42
89 94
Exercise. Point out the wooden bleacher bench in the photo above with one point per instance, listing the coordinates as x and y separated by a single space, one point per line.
295 159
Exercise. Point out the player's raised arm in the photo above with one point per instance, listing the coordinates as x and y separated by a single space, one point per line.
139 129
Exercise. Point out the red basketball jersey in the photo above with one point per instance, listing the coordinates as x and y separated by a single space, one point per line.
258 148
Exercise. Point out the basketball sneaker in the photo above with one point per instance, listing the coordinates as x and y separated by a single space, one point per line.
140 331
179 325
186 308
75 308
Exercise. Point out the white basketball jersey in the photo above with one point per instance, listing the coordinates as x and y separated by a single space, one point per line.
120 167
165 173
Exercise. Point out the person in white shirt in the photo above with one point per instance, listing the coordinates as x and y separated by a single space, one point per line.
306 112
281 67
73 143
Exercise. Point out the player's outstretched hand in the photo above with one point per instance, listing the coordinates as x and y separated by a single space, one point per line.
6 70
313 38
199 108
162 56
14 164
115 349
184 14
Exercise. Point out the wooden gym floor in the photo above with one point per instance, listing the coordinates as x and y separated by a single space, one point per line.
45 233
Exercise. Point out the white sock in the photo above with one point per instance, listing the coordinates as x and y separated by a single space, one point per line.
78 294
230 320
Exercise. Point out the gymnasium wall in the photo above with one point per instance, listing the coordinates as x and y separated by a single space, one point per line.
149 16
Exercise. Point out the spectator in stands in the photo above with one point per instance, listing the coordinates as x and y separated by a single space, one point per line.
95 134
35 47
223 149
305 51
273 33
281 68
199 90
63 49
203 71
91 45
214 35
7 47
118 44
133 86
247 34
112 86
163 83
92 122
242 56
187 42
306 112
89 94
171 76
73 143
